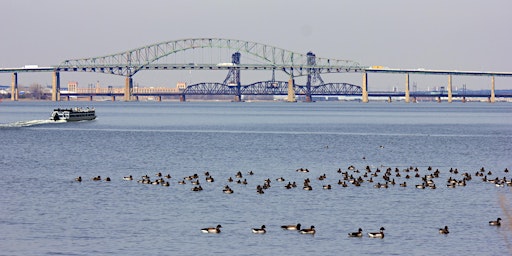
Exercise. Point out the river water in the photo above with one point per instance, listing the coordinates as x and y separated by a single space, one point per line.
43 211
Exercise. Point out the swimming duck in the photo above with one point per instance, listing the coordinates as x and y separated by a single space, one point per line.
496 222
310 231
359 233
79 179
96 178
377 234
227 190
128 177
444 230
212 229
261 230
291 227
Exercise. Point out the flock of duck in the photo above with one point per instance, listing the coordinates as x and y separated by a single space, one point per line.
312 230
350 177
353 177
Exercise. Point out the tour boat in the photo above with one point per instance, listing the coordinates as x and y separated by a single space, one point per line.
73 114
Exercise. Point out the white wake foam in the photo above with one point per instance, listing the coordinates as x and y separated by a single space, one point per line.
30 123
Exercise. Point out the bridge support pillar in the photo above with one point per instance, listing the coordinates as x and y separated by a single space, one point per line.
463 99
438 99
183 98
389 99
113 98
291 90
91 98
364 88
414 100
493 93
159 98
128 88
450 95
407 92
14 87
309 98
56 86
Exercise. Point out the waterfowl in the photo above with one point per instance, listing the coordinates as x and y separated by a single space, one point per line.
79 179
168 176
261 230
359 233
377 234
212 229
107 179
227 190
328 186
128 177
96 178
444 230
291 227
209 179
310 231
496 222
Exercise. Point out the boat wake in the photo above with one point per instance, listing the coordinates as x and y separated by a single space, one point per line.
30 123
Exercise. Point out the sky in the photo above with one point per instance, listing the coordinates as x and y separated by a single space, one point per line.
434 34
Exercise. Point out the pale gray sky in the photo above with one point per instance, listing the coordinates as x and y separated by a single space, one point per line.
433 34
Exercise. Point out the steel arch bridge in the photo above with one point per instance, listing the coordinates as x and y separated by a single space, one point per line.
153 57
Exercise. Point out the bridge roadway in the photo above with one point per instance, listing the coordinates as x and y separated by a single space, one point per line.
154 57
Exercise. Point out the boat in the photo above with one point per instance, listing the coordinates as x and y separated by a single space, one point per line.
73 114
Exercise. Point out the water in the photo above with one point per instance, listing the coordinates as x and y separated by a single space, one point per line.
45 212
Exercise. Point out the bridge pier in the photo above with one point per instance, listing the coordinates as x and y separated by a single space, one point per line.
14 87
113 98
91 98
492 99
291 90
407 92
128 88
56 86
183 98
389 99
450 95
364 88
159 98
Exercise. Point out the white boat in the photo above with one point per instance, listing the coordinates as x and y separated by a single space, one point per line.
73 114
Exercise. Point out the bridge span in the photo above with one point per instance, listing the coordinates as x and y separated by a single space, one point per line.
169 56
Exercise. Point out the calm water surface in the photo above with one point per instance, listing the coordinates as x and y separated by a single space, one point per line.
45 212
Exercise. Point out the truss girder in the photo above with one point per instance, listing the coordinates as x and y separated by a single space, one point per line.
130 62
271 88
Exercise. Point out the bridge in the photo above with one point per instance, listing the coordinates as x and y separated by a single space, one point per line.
170 56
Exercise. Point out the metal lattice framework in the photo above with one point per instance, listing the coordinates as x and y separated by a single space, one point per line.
271 88
130 62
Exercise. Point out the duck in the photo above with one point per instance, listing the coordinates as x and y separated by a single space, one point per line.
227 190
128 177
107 179
212 229
359 233
310 231
79 179
444 230
261 230
377 234
496 222
291 227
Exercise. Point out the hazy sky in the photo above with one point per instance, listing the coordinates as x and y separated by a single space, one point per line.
433 34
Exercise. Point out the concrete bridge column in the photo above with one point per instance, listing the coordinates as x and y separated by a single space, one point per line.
450 96
493 93
159 98
407 92
113 98
56 86
91 98
14 87
128 88
183 98
364 87
291 90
